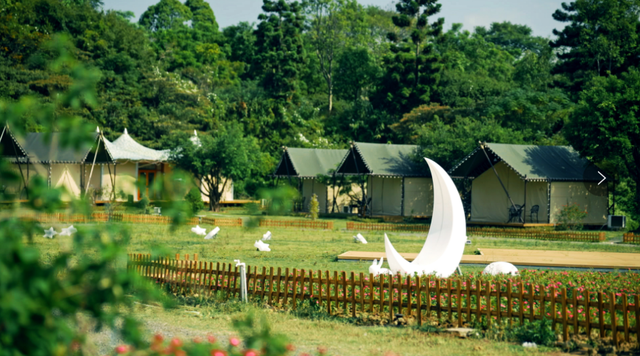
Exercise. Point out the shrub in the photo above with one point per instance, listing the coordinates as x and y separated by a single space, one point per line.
539 331
194 198
143 204
570 217
314 207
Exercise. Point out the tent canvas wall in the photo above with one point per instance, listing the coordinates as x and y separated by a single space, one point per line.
397 184
306 164
553 176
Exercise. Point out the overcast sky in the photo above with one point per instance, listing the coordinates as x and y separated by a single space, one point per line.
536 14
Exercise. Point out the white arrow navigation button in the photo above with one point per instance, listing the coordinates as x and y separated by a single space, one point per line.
603 177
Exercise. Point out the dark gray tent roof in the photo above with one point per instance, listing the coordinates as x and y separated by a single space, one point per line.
530 162
10 147
308 162
47 148
383 160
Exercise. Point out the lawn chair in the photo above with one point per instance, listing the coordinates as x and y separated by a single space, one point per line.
534 210
515 213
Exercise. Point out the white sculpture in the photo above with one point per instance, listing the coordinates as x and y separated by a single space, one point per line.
376 268
261 246
199 230
496 268
443 249
267 236
50 233
212 234
359 238
68 231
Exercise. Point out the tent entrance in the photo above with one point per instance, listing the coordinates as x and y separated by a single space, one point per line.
147 174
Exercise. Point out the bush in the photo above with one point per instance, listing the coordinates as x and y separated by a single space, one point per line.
539 331
570 217
143 204
194 198
314 207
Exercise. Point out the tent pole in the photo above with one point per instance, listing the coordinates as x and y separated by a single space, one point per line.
525 200
95 155
548 202
402 199
49 176
499 180
27 187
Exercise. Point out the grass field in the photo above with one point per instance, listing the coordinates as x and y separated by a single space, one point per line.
308 249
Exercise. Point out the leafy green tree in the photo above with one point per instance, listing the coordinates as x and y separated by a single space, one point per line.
165 15
241 40
600 37
280 54
216 161
605 126
411 70
514 38
356 74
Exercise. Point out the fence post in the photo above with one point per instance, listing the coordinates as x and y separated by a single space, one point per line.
243 279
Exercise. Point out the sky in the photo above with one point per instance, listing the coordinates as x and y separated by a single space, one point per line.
471 13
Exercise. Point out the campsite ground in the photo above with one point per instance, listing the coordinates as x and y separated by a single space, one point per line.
308 249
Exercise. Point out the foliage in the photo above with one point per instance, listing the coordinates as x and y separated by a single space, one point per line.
216 160
539 332
314 207
605 126
194 198
280 199
411 67
280 54
570 217
143 204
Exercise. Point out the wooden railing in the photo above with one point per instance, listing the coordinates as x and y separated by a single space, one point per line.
631 238
453 300
537 234
221 222
102 217
301 224
351 225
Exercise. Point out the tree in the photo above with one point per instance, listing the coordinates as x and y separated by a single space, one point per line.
241 40
280 53
165 15
601 36
356 74
514 38
605 126
329 22
215 161
412 67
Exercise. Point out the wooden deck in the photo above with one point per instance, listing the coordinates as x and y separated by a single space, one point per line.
540 258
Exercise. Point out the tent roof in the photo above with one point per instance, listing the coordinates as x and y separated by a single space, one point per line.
10 146
530 162
308 162
383 160
41 149
126 148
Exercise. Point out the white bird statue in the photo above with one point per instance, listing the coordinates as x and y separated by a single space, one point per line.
267 236
199 230
50 233
496 268
212 234
376 268
261 246
68 231
359 238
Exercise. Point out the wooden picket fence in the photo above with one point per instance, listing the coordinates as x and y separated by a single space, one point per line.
537 234
66 218
300 224
351 225
222 222
631 238
456 301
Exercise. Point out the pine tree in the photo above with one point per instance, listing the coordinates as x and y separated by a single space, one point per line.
411 68
280 51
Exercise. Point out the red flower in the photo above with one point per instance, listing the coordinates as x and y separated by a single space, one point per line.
211 339
290 347
158 338
218 353
122 349
234 341
251 353
176 342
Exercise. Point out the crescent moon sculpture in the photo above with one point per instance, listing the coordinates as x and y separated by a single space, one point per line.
443 249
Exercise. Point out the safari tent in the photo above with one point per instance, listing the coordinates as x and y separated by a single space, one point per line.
306 164
398 184
527 184
42 154
135 161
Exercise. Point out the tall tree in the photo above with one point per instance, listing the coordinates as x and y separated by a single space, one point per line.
280 52
411 68
601 37
605 125
216 161
330 21
165 15
516 39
